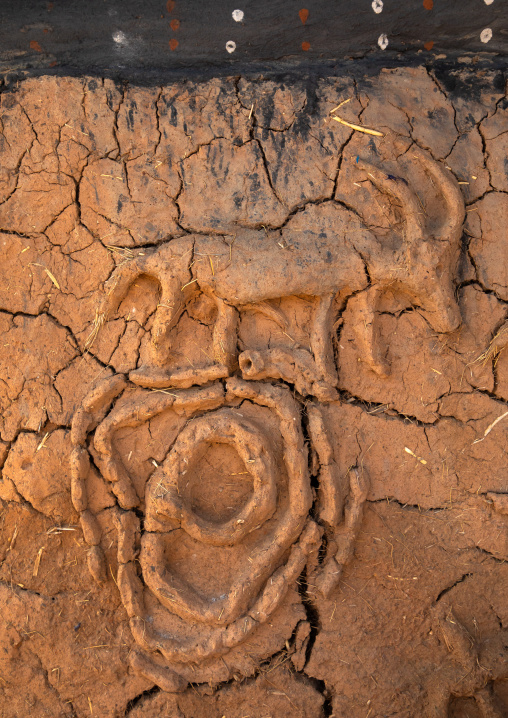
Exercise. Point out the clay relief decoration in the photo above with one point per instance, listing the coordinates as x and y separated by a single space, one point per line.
248 500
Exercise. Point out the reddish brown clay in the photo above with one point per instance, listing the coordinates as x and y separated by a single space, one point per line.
253 387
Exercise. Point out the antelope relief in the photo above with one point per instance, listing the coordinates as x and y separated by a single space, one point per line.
325 253
246 499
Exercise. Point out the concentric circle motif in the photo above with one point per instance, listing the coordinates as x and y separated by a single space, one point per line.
164 496
165 566
205 581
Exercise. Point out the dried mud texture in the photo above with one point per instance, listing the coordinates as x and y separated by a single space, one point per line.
198 271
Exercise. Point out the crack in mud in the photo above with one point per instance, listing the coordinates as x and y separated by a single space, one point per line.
447 589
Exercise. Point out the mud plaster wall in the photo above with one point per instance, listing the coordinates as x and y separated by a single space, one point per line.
92 174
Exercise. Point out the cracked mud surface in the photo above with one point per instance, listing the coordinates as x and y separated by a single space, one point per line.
93 174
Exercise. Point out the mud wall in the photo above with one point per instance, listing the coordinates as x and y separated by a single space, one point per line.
310 313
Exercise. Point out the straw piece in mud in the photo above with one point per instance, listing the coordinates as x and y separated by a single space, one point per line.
495 347
52 277
97 323
358 128
43 442
37 561
490 427
418 458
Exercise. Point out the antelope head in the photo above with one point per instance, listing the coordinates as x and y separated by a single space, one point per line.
423 267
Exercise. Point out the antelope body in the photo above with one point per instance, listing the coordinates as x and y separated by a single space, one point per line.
326 259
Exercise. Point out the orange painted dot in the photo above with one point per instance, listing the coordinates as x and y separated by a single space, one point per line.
53 64
428 45
305 46
170 5
304 15
34 45
174 24
173 44
428 4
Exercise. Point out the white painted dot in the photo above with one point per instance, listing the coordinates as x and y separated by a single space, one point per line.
488 2
230 46
486 35
377 6
382 41
120 38
238 15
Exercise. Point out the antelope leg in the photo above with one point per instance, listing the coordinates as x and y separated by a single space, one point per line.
365 330
225 334
320 340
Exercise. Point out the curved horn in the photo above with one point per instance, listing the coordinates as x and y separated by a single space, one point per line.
451 229
167 263
397 188
170 265
117 286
